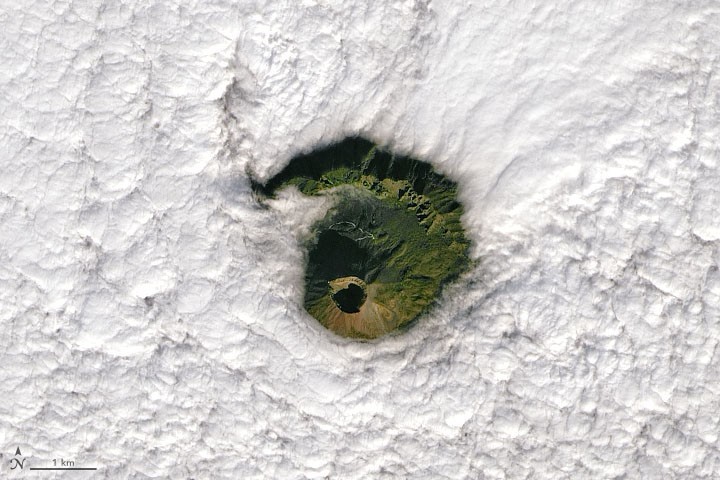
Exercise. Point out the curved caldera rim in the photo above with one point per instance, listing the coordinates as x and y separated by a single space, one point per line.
393 238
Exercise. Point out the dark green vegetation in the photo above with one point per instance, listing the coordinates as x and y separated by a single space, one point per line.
392 240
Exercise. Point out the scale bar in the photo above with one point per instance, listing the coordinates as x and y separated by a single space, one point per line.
63 468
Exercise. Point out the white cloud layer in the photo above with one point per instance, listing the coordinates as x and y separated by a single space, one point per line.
151 311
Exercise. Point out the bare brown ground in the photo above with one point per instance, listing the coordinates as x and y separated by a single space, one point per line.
373 319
